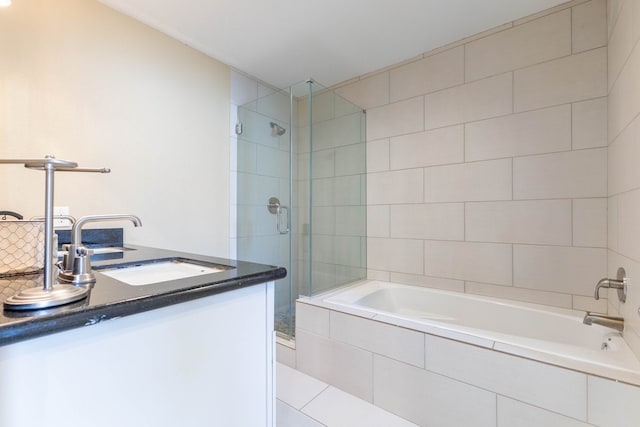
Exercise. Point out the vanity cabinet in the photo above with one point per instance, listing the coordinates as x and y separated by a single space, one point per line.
204 362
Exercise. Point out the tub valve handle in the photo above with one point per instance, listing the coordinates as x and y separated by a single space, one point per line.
619 283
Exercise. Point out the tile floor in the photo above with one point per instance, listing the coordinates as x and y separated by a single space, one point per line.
303 401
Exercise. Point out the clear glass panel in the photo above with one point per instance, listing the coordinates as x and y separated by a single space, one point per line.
338 191
306 147
264 174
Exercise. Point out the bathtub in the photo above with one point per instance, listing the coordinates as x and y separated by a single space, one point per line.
546 334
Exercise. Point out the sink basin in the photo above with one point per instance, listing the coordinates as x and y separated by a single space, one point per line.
162 271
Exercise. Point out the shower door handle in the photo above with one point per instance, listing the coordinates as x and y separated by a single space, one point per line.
279 211
282 211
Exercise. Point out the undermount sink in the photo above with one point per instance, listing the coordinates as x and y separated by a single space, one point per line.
161 271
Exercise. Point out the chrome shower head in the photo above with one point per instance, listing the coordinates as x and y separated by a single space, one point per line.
276 129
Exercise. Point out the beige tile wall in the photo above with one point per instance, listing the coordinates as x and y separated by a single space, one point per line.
487 160
623 150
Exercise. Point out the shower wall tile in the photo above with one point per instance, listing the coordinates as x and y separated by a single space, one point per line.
401 255
394 119
482 99
546 222
589 25
378 157
589 125
513 413
488 180
628 223
624 175
437 221
540 40
378 221
574 174
404 186
568 79
434 147
349 220
590 222
397 343
624 96
483 262
323 164
346 367
350 160
535 132
583 303
549 387
557 268
324 220
514 155
348 190
428 75
428 281
426 398
621 42
554 299
369 92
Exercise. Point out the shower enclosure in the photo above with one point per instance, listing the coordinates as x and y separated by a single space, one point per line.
301 188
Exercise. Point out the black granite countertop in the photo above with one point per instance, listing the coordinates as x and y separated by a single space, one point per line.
110 298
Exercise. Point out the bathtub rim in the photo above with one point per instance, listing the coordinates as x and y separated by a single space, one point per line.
628 375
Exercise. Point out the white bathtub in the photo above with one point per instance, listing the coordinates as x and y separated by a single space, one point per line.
547 334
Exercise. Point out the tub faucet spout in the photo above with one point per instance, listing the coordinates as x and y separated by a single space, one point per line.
620 283
613 322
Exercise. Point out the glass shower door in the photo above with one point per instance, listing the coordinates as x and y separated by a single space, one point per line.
264 193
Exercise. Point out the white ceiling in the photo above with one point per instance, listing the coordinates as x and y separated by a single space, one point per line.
283 42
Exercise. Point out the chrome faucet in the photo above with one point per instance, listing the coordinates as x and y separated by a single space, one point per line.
77 261
619 283
613 322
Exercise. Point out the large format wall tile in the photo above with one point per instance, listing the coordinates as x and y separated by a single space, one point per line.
435 147
397 343
347 367
403 186
394 119
428 399
563 175
488 180
540 40
482 99
534 132
556 389
559 269
402 255
369 92
482 262
427 75
438 221
569 79
589 25
539 222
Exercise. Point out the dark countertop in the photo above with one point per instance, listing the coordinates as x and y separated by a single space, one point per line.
110 298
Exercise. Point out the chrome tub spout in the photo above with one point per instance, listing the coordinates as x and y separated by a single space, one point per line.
612 322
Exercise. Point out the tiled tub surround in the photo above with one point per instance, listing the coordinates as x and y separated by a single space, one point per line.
623 157
487 162
431 372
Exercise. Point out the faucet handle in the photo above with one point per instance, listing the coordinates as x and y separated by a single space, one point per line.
619 283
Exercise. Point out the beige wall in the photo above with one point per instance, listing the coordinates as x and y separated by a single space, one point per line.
487 161
88 84
624 146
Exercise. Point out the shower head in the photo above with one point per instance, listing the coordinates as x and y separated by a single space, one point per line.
276 129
